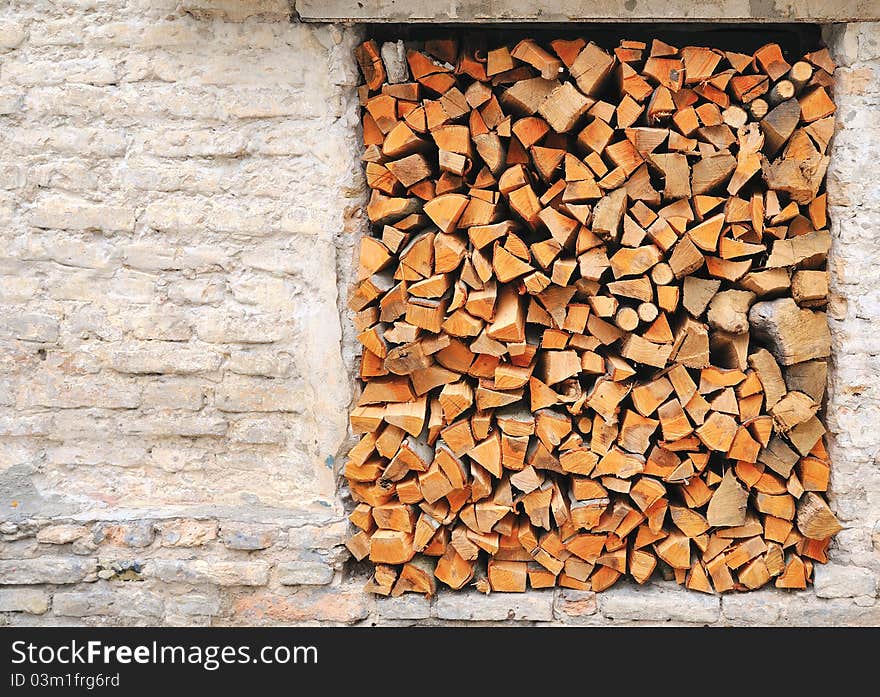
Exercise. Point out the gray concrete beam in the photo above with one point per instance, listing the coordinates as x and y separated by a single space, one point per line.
549 11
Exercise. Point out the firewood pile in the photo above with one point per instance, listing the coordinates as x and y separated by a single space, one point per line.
592 313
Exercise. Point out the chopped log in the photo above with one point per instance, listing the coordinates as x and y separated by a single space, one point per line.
794 334
685 258
712 172
804 250
793 409
808 377
591 68
778 457
507 576
727 507
728 311
697 293
815 519
369 60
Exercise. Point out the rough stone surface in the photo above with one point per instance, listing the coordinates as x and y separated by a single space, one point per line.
180 197
165 277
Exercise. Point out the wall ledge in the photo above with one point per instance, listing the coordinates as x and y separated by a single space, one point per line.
504 11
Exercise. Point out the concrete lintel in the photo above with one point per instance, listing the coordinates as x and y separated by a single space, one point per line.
506 11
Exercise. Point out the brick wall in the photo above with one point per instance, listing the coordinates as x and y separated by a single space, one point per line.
179 197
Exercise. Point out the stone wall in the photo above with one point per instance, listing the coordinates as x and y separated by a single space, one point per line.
179 200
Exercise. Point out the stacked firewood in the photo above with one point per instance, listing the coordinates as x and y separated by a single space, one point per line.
592 316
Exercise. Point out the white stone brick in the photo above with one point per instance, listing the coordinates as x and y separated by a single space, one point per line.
166 357
223 328
658 603
176 394
29 327
835 581
265 292
66 392
81 141
760 609
247 536
61 534
193 604
13 423
173 423
254 361
258 429
11 100
161 323
237 10
125 600
11 35
408 606
121 452
197 291
319 538
248 394
93 70
90 253
473 606
29 600
304 573
222 573
187 533
836 612
65 213
45 569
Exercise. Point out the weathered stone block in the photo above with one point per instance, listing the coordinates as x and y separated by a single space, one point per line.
474 606
243 394
164 357
237 10
186 533
222 573
137 534
304 573
125 600
29 600
63 392
247 536
11 34
30 327
572 606
61 534
658 603
330 604
193 604
835 581
54 570
65 213
408 606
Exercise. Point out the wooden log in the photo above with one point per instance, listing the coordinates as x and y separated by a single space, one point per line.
794 334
